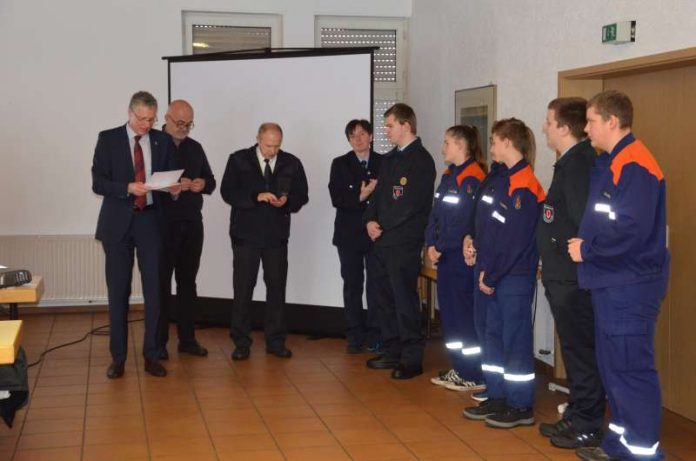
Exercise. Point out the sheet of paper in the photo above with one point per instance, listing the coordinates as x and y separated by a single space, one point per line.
163 179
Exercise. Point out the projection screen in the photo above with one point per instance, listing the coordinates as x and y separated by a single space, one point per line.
312 94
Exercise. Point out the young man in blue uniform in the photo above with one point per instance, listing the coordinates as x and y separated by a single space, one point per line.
571 306
450 220
395 219
508 259
352 182
624 261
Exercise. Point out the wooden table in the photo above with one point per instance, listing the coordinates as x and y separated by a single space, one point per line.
23 294
428 275
10 339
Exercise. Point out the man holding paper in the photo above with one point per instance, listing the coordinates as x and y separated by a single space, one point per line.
130 219
183 234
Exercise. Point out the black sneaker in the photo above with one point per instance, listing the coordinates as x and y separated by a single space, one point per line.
551 429
511 417
484 409
573 439
480 396
593 454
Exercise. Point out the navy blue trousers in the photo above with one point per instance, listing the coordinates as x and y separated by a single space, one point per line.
625 319
455 298
509 342
143 236
395 270
362 326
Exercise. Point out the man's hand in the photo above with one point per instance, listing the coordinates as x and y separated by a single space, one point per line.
266 197
469 251
367 188
434 255
485 289
185 184
574 249
138 189
374 230
279 202
174 189
197 185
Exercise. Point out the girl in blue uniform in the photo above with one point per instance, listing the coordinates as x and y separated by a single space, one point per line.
450 220
507 261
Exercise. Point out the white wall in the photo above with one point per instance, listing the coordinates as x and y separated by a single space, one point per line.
68 70
521 45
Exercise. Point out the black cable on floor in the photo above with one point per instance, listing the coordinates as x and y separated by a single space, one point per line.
99 331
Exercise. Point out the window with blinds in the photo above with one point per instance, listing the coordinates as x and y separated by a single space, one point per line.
384 63
389 60
213 31
214 38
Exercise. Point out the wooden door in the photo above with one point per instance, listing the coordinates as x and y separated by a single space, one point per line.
665 120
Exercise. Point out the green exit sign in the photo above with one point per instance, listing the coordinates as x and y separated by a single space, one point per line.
609 33
619 32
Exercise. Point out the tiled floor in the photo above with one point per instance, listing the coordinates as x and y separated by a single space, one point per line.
320 405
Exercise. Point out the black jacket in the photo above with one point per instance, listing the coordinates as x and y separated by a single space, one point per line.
191 157
347 175
563 210
403 198
257 223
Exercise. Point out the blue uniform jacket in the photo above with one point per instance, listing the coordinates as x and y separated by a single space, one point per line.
450 217
624 225
506 237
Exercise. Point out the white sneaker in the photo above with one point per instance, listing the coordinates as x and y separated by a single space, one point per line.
446 377
465 386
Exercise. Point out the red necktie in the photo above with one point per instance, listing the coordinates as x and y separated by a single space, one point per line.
141 201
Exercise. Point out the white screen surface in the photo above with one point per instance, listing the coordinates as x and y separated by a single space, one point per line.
312 98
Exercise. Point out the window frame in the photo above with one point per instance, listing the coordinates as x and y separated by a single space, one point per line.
215 18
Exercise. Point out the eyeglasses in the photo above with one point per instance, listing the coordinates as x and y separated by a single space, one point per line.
181 124
149 121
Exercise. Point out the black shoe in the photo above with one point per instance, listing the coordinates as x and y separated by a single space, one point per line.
484 409
351 349
551 429
164 355
511 417
593 454
382 362
241 353
281 352
155 368
115 370
193 348
404 372
572 439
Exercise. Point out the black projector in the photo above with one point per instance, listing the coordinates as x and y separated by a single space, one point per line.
13 278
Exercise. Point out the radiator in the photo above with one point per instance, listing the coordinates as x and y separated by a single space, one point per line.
72 267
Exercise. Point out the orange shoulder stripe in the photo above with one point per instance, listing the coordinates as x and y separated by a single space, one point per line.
636 152
525 179
474 169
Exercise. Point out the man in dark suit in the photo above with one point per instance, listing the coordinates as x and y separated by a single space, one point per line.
183 236
353 179
264 185
130 219
396 219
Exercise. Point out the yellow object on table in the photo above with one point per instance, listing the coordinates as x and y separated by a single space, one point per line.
10 339
28 293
